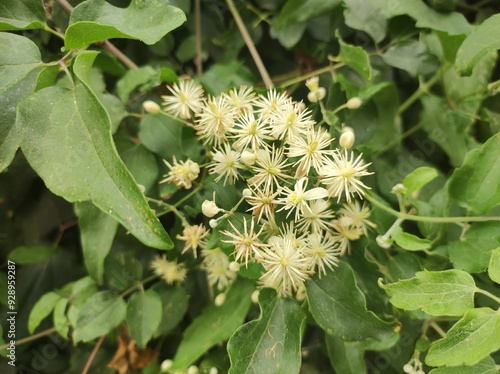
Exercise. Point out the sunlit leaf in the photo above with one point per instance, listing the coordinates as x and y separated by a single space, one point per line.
21 15
449 292
101 313
214 325
339 307
84 165
96 20
470 340
272 343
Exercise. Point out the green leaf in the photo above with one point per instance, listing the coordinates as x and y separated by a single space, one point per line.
18 73
272 343
135 78
485 366
84 165
42 309
409 241
365 16
21 15
439 293
339 307
162 135
357 59
476 184
484 39
174 305
404 265
447 127
96 20
412 57
426 17
143 316
214 325
122 270
31 255
472 252
60 318
101 313
288 36
470 340
494 266
223 76
139 161
297 11
419 178
97 231
345 357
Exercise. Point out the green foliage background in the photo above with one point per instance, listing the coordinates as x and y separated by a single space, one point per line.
75 143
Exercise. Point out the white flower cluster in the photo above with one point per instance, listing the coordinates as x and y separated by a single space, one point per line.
292 177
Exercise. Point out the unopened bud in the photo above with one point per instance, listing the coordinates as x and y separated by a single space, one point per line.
255 296
193 370
220 299
151 107
213 370
384 242
398 189
234 266
165 365
347 138
248 158
209 208
315 96
247 192
213 223
354 103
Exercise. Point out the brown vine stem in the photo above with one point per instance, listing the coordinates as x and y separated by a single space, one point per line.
251 47
31 338
92 355
106 44
197 30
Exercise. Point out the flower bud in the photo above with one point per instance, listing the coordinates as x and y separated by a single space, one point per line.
213 370
193 369
234 266
220 299
213 223
255 296
248 158
398 189
354 103
247 192
384 242
151 107
209 208
315 96
347 138
165 365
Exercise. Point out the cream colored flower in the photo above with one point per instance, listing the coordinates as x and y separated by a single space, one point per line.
226 164
245 243
312 150
297 199
317 218
194 237
321 251
290 121
341 175
216 264
169 271
187 97
215 121
269 169
181 173
286 268
250 132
